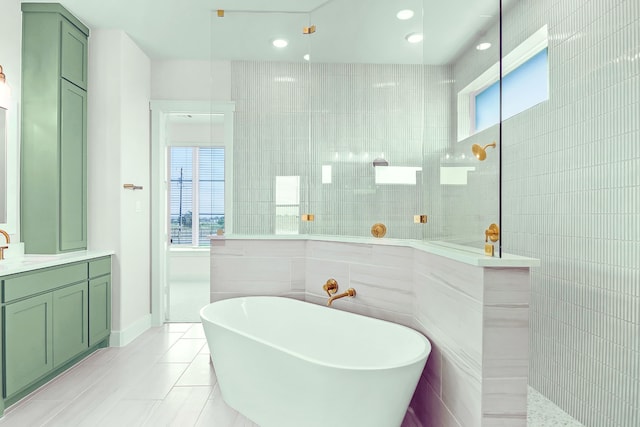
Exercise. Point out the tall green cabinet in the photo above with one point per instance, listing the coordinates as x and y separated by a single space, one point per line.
54 130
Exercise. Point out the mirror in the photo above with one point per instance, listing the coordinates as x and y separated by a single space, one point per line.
3 166
8 160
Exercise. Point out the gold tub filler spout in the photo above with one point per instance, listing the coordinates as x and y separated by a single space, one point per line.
331 288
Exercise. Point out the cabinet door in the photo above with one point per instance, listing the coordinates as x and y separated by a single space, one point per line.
70 322
73 168
74 55
99 309
28 341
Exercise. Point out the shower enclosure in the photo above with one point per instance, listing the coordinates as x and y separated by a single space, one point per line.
367 116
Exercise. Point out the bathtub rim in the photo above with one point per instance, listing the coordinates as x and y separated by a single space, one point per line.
421 358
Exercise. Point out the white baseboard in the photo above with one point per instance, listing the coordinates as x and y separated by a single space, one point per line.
131 332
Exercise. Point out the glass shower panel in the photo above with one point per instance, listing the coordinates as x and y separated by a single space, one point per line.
269 86
366 120
462 125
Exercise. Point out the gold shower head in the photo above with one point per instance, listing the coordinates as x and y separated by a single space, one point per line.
480 152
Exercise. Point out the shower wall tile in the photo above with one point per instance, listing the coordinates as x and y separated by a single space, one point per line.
462 390
298 272
454 318
291 119
251 267
339 251
570 198
462 278
430 408
500 397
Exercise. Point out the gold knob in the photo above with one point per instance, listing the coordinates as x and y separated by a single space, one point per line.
331 287
378 230
492 233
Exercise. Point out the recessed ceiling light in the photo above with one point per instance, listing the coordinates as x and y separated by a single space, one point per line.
280 43
483 46
414 37
306 57
404 14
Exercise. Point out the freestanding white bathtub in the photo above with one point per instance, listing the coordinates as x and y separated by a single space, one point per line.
286 363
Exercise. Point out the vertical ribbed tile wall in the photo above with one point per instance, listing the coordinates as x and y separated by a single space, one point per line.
470 209
271 135
572 198
291 119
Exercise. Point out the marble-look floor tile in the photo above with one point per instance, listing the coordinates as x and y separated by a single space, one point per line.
70 384
216 412
185 350
157 381
128 412
181 407
195 331
32 413
199 373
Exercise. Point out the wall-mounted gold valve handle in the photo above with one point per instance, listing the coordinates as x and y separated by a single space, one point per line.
378 230
331 287
492 233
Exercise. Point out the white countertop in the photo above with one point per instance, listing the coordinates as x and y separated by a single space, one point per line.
465 254
33 262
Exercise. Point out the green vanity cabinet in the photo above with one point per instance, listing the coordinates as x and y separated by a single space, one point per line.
70 322
54 130
99 300
51 318
27 342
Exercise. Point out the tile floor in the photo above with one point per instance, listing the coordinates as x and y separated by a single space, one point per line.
163 378
186 299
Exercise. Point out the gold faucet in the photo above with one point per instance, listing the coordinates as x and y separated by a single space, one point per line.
331 287
350 293
2 248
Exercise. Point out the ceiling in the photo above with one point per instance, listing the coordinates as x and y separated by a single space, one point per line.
354 31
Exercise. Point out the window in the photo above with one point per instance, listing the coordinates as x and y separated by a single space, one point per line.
522 88
525 83
197 185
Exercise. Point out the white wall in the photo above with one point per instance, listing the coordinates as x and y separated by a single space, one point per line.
189 266
191 80
118 127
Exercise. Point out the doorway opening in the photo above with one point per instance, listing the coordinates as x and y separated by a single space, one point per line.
192 155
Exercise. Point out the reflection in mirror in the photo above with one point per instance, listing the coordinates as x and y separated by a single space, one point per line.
5 98
4 101
3 165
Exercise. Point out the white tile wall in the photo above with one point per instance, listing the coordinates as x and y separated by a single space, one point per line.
292 118
571 198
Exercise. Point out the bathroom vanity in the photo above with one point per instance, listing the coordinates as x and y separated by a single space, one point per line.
56 309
